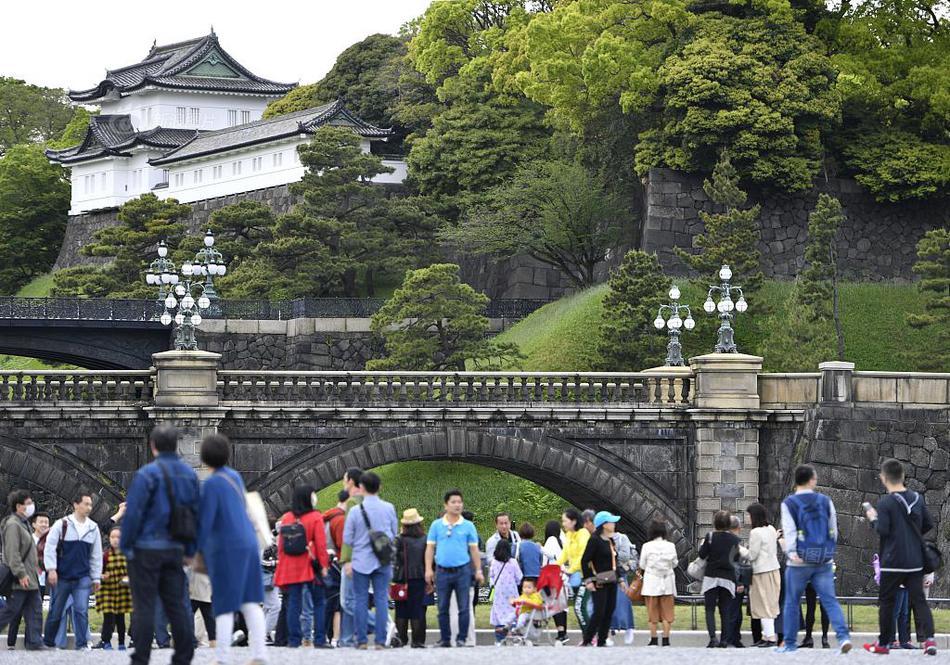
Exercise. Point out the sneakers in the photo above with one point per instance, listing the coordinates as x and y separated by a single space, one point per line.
628 637
786 648
845 646
874 647
930 647
121 647
107 646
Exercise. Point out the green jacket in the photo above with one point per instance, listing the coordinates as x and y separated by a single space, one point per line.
19 551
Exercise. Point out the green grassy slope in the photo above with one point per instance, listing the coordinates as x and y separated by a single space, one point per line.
39 288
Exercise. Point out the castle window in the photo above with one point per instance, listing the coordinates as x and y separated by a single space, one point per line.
278 159
181 115
196 176
232 117
194 115
236 167
245 117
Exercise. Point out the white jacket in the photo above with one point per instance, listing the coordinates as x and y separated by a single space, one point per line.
658 560
763 549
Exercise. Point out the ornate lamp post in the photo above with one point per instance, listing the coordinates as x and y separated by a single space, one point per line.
209 263
674 351
725 306
175 293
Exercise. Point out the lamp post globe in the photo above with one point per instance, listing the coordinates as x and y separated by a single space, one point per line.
726 306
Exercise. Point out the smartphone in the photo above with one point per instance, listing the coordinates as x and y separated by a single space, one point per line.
866 507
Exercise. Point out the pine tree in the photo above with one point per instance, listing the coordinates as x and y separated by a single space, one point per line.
933 266
628 340
435 322
730 237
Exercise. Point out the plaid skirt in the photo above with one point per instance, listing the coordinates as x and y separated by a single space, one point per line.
114 596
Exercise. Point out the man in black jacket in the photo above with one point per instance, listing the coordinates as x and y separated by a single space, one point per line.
901 518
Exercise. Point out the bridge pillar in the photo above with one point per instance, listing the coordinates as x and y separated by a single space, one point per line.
726 418
186 396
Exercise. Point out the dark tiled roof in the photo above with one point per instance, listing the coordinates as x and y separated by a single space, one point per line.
114 135
169 66
272 129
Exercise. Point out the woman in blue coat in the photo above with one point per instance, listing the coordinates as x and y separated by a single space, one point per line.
228 543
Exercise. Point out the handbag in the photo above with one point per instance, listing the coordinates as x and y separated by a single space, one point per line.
635 588
697 569
399 591
379 542
608 576
7 579
256 513
182 521
933 558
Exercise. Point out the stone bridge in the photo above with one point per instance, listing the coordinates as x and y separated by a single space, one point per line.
677 442
307 333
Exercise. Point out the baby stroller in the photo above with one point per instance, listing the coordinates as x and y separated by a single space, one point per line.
536 626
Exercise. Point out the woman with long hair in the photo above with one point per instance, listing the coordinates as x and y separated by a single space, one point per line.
576 538
551 549
597 563
409 568
766 578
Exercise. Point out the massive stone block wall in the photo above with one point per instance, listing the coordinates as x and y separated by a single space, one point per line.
877 241
847 444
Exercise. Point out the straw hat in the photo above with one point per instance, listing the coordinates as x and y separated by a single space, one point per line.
411 516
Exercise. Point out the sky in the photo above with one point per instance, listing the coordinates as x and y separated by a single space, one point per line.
71 44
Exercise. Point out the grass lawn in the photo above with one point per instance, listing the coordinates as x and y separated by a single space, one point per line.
40 287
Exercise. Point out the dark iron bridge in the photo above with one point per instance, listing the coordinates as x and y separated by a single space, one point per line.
103 333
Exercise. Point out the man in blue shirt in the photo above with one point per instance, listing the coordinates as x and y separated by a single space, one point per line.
361 563
155 558
451 557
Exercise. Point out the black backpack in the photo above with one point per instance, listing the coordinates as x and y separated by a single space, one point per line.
182 522
293 538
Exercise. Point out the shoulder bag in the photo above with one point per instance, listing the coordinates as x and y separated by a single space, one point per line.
933 559
399 591
182 523
380 542
264 537
697 569
635 588
491 593
608 576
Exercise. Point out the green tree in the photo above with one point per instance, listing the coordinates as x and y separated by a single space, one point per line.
74 132
628 340
809 330
30 113
34 202
128 247
434 322
554 211
730 237
933 266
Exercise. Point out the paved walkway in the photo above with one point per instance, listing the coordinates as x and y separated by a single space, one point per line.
481 655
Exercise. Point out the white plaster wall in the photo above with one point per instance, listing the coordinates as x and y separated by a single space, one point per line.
159 108
115 181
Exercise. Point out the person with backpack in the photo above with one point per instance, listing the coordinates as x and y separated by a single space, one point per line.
901 518
368 536
333 521
73 560
302 562
810 527
159 534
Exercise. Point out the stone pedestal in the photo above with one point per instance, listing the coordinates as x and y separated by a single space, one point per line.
726 417
186 396
836 382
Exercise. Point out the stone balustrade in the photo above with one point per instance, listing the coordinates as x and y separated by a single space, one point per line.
402 388
76 386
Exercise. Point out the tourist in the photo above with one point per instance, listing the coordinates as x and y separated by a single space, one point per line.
272 602
720 549
199 592
351 484
901 518
40 524
227 541
812 518
658 560
627 561
19 554
552 552
452 557
597 563
114 599
527 603
73 560
575 543
503 531
530 557
808 621
301 546
409 568
587 517
333 521
155 540
364 559
733 635
766 578
504 576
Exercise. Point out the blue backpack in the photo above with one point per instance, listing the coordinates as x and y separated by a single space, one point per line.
814 542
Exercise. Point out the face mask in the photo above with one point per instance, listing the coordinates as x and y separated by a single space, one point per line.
30 509
313 500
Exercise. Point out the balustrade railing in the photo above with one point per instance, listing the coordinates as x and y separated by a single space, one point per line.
104 309
448 388
42 386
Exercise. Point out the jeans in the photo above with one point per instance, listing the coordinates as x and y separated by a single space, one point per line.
822 578
29 605
271 609
347 626
902 615
79 590
157 575
297 626
914 584
380 579
447 582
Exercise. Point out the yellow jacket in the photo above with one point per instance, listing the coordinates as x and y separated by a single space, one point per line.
575 542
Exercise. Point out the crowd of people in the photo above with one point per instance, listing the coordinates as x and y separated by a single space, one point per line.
178 548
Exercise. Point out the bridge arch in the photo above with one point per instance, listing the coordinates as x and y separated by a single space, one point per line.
105 345
55 471
581 474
